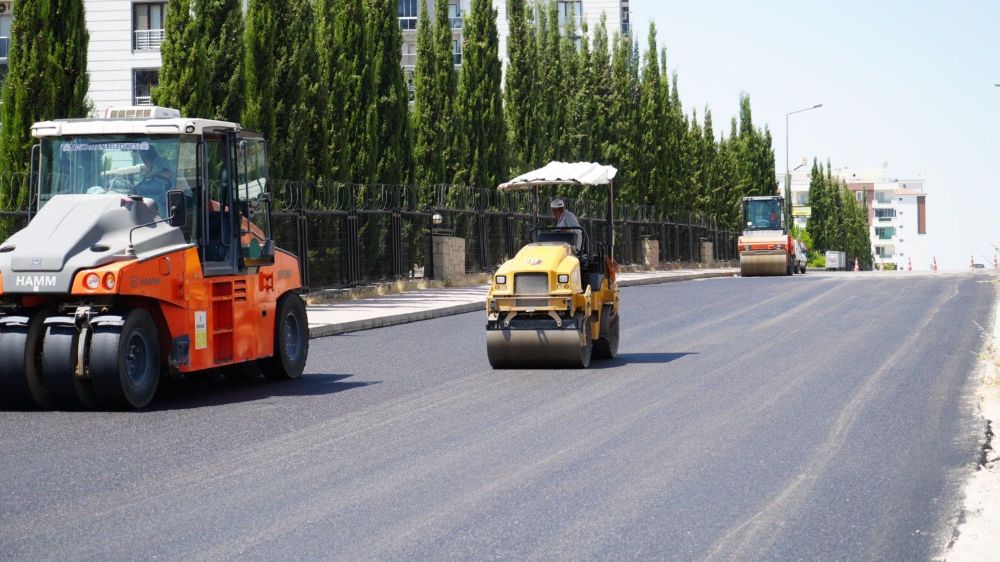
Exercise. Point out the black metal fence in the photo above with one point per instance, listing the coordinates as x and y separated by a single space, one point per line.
350 234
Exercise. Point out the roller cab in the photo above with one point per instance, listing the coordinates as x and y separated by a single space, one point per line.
555 304
148 253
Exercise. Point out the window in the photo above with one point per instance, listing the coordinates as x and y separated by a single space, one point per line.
455 16
626 26
883 197
147 25
407 12
251 195
571 9
859 196
144 82
885 214
456 51
885 232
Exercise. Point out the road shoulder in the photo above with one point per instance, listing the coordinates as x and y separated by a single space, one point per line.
977 536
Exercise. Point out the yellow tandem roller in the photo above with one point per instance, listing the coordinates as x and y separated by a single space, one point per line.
556 303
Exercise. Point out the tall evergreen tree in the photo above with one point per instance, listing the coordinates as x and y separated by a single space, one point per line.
222 29
434 84
600 75
47 79
347 70
520 87
482 156
183 83
389 122
259 68
651 114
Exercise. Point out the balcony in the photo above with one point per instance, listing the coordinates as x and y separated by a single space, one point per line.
407 24
143 101
148 39
4 48
456 23
409 60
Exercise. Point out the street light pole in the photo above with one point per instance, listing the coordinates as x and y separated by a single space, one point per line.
788 173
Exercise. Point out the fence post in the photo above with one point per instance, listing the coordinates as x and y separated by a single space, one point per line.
690 239
353 240
302 235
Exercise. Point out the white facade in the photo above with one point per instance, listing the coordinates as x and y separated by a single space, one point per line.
123 59
585 11
897 212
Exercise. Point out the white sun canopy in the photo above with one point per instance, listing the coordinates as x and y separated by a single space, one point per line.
563 173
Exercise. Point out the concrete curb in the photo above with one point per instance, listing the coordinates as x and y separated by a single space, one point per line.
394 320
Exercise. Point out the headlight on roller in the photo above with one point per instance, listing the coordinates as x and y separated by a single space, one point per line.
501 279
563 279
92 281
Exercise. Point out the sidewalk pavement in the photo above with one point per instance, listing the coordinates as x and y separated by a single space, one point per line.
378 312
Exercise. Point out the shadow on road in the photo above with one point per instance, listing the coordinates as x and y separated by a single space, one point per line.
214 390
639 358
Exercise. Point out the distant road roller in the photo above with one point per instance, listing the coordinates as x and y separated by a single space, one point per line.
149 252
766 247
556 303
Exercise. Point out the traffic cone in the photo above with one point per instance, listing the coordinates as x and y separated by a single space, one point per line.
909 264
934 265
857 265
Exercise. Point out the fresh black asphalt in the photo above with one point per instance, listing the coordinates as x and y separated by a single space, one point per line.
819 417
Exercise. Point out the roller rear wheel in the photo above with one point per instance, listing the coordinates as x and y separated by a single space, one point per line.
125 361
291 340
21 382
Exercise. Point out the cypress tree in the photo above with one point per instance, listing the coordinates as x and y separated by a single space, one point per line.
259 68
520 87
348 73
650 172
601 77
569 136
222 29
278 77
818 207
434 83
183 82
47 79
482 158
388 118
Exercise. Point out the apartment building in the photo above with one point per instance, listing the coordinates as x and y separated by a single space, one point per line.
584 11
897 212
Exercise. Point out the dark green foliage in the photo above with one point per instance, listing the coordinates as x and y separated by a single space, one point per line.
520 90
346 70
388 121
481 140
221 25
47 79
434 84
183 82
280 79
838 221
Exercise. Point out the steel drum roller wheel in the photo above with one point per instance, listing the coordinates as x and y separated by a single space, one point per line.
125 361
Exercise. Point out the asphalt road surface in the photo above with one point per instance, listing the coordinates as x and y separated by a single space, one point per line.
820 417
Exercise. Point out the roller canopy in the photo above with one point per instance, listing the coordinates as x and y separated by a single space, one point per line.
563 173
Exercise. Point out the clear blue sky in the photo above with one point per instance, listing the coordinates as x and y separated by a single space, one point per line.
908 83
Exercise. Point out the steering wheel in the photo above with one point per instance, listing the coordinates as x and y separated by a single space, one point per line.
585 238
119 184
762 223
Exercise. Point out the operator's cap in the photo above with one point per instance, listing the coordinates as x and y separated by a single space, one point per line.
558 204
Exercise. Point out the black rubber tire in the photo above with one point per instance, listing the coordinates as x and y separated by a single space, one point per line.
125 361
803 270
606 346
59 353
21 382
291 340
788 268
